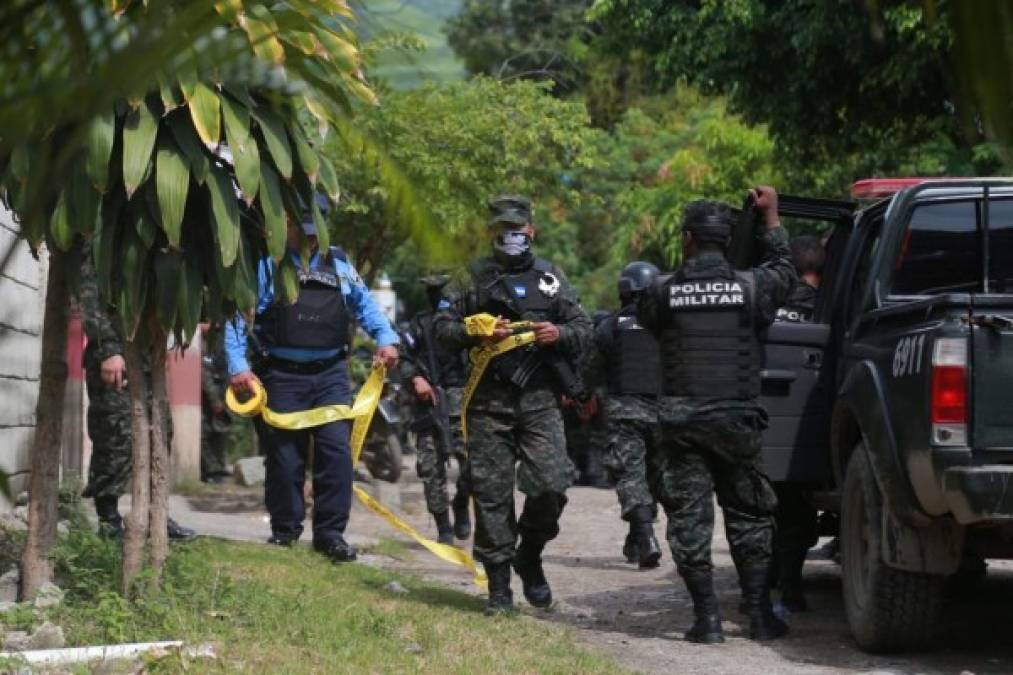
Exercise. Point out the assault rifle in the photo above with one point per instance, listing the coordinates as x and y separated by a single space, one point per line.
439 415
530 360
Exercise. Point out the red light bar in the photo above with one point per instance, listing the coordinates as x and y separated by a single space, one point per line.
878 188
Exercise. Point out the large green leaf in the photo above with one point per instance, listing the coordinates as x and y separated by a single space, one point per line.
140 127
288 289
308 158
205 111
172 181
237 120
101 134
273 206
224 214
82 201
329 179
105 244
277 140
61 233
168 269
246 160
323 235
245 153
244 287
188 141
188 308
172 98
133 283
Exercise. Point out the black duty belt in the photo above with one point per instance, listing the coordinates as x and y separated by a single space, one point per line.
304 367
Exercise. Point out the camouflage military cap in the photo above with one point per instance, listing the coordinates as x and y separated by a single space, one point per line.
435 280
510 209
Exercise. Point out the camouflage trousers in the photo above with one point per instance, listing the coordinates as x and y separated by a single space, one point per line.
214 435
695 461
431 466
629 443
109 428
531 446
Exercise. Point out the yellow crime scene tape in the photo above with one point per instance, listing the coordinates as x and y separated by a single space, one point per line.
484 325
361 411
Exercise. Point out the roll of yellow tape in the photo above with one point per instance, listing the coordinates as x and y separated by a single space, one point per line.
250 407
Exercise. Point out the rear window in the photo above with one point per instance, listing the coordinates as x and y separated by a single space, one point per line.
1000 246
941 250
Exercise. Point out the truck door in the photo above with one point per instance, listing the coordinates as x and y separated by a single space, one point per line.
797 381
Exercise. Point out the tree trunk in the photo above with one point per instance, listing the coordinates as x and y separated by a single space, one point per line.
136 535
44 484
159 458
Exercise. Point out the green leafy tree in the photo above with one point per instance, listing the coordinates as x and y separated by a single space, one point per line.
457 144
671 150
864 86
182 185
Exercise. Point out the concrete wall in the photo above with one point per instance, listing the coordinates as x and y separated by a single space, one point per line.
22 298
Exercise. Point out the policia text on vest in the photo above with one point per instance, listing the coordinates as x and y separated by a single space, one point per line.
707 294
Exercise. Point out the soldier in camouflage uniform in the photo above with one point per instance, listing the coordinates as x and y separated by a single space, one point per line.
216 422
514 415
707 318
109 422
434 372
626 355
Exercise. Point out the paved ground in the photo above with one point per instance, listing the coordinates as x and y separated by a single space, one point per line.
638 616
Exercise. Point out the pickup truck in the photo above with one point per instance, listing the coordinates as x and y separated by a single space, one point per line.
891 405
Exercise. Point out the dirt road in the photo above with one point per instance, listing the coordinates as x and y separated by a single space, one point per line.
638 616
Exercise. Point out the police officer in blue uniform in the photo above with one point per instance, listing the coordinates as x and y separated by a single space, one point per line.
305 345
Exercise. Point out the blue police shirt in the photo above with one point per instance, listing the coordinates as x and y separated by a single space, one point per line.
357 298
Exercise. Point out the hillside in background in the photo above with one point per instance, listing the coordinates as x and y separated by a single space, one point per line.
424 18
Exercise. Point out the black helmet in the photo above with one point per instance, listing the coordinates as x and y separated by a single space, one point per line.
635 278
708 220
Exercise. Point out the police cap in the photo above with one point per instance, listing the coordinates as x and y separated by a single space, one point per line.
708 220
509 209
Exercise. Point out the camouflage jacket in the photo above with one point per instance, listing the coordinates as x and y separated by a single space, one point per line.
775 279
462 299
104 338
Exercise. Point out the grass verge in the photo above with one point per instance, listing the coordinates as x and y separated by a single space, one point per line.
290 611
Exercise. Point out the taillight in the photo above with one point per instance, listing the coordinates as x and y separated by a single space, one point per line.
949 391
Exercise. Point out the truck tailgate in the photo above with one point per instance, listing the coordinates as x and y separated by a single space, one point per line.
992 383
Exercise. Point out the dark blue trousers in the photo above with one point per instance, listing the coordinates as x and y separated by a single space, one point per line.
285 452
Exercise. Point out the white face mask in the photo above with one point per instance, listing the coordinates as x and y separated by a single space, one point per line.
513 243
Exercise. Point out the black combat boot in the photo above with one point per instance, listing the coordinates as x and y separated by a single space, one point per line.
501 598
706 628
630 545
791 580
462 518
177 532
648 552
110 522
528 565
763 624
444 530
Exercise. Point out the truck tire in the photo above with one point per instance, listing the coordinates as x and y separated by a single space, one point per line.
888 609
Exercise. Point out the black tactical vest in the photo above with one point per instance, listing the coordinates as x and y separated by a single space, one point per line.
525 295
800 306
634 361
317 320
709 346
